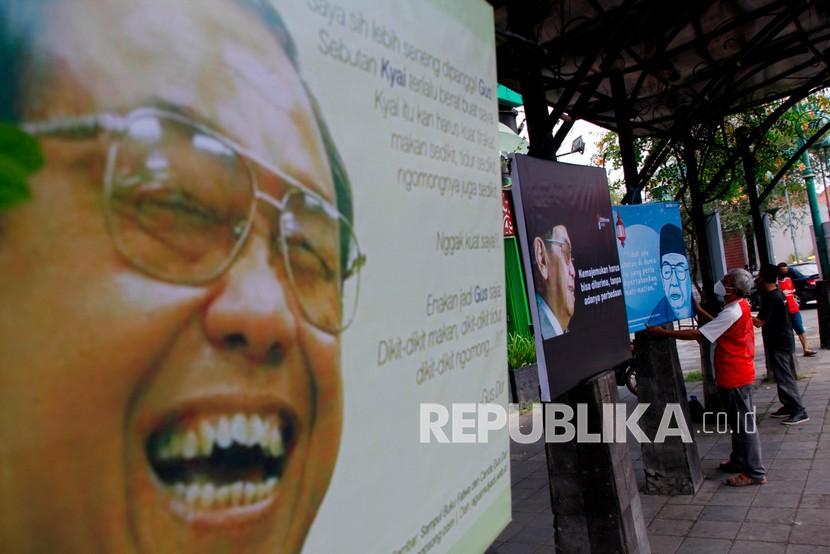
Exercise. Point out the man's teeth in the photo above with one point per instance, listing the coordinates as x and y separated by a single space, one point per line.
210 496
189 442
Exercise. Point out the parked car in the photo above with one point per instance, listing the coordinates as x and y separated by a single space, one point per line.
804 278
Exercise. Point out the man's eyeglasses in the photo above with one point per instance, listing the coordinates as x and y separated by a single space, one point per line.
180 201
566 249
681 270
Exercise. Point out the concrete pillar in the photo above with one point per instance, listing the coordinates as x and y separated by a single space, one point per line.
594 494
672 467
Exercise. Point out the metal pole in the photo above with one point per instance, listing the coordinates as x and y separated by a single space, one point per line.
824 179
815 213
822 286
790 223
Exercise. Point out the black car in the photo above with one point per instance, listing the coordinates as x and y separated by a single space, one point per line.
804 278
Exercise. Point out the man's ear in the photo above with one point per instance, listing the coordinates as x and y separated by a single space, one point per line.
539 255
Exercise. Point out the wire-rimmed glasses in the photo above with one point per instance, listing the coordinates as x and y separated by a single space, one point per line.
680 270
180 201
567 253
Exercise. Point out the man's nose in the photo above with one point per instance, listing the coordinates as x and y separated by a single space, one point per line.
251 313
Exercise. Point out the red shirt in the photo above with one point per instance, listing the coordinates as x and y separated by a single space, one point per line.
788 288
734 337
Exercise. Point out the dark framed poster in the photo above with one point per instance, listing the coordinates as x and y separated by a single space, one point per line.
572 268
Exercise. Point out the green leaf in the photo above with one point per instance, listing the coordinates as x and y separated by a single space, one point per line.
21 147
20 156
13 186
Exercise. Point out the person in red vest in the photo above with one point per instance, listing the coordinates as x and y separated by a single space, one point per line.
785 285
733 335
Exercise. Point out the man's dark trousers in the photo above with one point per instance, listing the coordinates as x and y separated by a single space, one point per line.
746 443
780 361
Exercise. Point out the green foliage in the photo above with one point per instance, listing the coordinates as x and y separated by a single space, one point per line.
20 157
521 351
715 145
693 376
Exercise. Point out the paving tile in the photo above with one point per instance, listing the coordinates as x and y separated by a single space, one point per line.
513 548
680 511
809 500
754 547
723 513
817 516
790 464
810 533
787 474
796 454
761 514
683 499
511 530
731 498
820 486
807 549
533 519
822 471
673 527
711 485
715 529
774 499
766 532
791 487
664 544
532 536
695 545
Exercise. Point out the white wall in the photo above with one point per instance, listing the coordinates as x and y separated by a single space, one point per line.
782 243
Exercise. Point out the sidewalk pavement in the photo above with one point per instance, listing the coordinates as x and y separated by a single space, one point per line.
789 515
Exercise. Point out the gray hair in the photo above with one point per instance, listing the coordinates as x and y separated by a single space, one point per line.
742 281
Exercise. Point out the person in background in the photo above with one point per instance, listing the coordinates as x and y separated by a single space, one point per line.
785 284
778 346
733 336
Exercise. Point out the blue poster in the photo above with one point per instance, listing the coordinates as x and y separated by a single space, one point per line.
655 269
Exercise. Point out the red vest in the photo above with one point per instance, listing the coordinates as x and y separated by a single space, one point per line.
735 351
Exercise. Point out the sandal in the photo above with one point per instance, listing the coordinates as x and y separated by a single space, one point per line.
728 467
809 353
744 480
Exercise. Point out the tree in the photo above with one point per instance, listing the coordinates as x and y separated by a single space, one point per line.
716 146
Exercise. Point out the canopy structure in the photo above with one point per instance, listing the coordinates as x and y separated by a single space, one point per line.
662 69
654 64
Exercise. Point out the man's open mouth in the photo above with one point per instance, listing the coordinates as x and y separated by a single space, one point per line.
221 461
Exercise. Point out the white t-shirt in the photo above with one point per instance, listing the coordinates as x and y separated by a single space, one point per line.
722 322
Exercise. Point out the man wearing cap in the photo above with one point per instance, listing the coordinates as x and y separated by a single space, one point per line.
674 271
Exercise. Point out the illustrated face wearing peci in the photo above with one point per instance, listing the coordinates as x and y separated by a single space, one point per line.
674 271
174 290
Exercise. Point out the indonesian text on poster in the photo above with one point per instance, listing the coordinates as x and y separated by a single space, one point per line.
572 269
261 235
655 269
